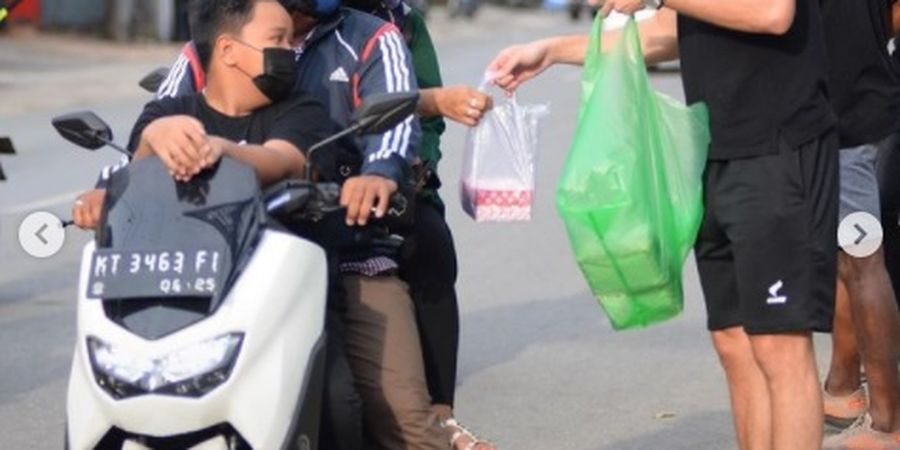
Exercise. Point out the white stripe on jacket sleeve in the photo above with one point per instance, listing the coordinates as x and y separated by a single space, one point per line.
169 88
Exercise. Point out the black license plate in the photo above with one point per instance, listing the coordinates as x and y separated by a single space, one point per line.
122 274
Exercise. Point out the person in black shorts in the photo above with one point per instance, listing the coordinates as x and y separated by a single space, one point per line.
865 93
767 244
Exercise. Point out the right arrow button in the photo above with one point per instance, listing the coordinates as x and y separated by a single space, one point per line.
860 234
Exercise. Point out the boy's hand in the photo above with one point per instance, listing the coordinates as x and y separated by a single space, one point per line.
213 151
180 142
87 209
360 194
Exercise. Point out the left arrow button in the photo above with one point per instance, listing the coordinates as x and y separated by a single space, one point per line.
41 234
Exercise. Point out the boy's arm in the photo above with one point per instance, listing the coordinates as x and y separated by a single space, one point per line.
87 208
180 141
184 147
178 82
152 110
274 161
298 124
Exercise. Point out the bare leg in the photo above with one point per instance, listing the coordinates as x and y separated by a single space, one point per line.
750 406
843 376
877 324
788 363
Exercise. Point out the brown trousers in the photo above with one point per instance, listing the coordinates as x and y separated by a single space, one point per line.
385 355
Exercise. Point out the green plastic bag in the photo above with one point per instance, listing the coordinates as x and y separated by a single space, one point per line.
631 191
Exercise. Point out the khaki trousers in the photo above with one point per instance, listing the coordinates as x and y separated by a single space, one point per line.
385 355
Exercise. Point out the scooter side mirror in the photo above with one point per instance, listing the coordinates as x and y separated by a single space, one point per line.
84 129
381 112
6 146
154 79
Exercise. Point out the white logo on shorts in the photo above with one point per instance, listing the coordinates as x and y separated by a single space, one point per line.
774 297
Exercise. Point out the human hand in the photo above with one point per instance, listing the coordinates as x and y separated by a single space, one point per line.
87 209
181 143
360 194
213 151
463 104
519 63
627 7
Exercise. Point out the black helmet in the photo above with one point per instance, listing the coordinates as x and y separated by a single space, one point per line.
315 8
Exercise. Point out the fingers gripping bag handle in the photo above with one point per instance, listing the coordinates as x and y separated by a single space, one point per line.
498 176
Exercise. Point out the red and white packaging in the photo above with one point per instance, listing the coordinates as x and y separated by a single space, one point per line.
504 202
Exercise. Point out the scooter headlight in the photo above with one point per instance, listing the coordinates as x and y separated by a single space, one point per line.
191 371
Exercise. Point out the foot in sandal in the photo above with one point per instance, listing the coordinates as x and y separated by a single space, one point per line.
461 438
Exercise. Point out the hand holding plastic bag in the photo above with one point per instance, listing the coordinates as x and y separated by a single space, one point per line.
497 182
630 192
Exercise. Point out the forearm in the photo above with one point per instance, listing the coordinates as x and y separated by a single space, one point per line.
271 165
428 105
658 35
567 49
573 49
391 164
751 16
143 150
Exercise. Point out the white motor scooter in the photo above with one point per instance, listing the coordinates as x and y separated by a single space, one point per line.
200 323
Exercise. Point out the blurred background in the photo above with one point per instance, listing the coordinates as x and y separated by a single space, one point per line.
166 20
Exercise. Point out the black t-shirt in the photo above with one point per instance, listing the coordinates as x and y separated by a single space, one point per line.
758 88
300 120
865 90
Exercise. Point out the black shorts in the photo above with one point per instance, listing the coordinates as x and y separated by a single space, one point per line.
767 248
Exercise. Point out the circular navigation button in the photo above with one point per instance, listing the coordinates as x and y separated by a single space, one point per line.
41 234
860 234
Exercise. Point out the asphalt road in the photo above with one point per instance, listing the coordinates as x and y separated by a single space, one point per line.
540 366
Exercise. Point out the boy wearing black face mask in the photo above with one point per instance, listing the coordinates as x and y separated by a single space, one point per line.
345 56
245 48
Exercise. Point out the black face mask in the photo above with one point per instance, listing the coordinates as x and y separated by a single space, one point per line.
279 73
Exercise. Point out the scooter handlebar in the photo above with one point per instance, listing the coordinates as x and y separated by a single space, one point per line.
305 201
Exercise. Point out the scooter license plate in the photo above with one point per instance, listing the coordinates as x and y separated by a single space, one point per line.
123 274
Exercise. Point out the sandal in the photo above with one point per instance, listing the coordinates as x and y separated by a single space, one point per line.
459 431
843 410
